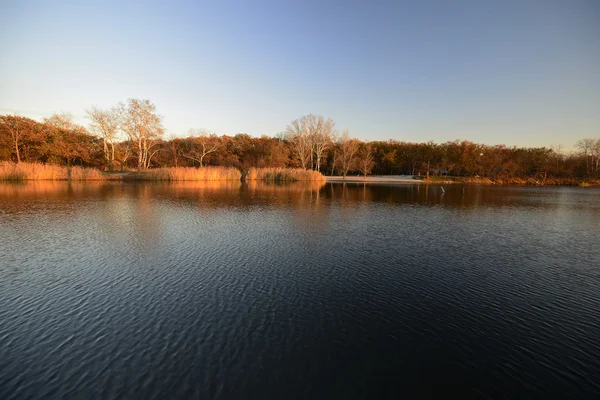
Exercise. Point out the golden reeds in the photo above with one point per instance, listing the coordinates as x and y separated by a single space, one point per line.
283 174
34 171
188 174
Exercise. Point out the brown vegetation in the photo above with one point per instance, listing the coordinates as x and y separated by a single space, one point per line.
284 175
512 181
34 171
187 174
129 137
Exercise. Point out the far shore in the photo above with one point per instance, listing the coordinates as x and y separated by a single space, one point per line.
373 179
412 179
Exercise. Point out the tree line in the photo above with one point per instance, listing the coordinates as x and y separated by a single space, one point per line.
131 135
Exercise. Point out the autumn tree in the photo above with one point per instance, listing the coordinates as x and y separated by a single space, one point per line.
105 124
175 145
17 127
143 127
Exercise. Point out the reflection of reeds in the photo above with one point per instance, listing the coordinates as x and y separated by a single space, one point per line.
34 171
284 174
189 174
266 186
53 188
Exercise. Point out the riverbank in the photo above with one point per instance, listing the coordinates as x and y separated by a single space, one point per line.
476 180
373 179
472 180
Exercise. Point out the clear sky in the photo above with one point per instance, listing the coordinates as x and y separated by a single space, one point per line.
519 72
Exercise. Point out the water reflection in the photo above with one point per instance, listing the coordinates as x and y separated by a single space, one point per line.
265 290
17 197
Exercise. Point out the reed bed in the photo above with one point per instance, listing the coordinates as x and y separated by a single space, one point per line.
284 174
34 171
188 174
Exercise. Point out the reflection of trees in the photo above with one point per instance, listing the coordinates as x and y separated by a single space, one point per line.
122 198
354 194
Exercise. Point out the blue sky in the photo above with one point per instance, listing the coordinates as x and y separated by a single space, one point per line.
520 72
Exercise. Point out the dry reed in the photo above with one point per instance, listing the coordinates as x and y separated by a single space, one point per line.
283 174
34 171
189 174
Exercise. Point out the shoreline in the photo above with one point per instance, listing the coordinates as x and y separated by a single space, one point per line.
373 179
410 179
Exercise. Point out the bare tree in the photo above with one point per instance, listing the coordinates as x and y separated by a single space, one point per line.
203 144
62 121
298 134
143 126
596 152
321 133
105 124
366 161
310 137
586 146
346 154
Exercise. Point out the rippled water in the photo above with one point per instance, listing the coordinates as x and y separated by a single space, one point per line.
265 291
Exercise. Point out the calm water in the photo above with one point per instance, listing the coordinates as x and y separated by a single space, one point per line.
261 291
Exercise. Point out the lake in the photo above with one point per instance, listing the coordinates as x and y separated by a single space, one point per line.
232 291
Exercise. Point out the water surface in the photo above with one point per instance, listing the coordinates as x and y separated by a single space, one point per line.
225 291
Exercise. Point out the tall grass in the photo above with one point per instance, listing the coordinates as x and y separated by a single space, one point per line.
283 174
33 171
188 174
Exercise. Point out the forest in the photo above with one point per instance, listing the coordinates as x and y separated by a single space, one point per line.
131 137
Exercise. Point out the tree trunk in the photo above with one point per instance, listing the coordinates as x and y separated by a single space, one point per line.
17 151
140 155
112 156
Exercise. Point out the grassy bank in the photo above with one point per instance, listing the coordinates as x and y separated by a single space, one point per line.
33 171
283 175
512 181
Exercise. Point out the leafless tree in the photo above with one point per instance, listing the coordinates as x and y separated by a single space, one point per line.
203 144
105 124
346 154
596 152
366 161
310 137
299 136
60 120
586 146
143 126
321 133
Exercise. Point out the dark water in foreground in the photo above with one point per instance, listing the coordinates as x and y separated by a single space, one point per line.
229 291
